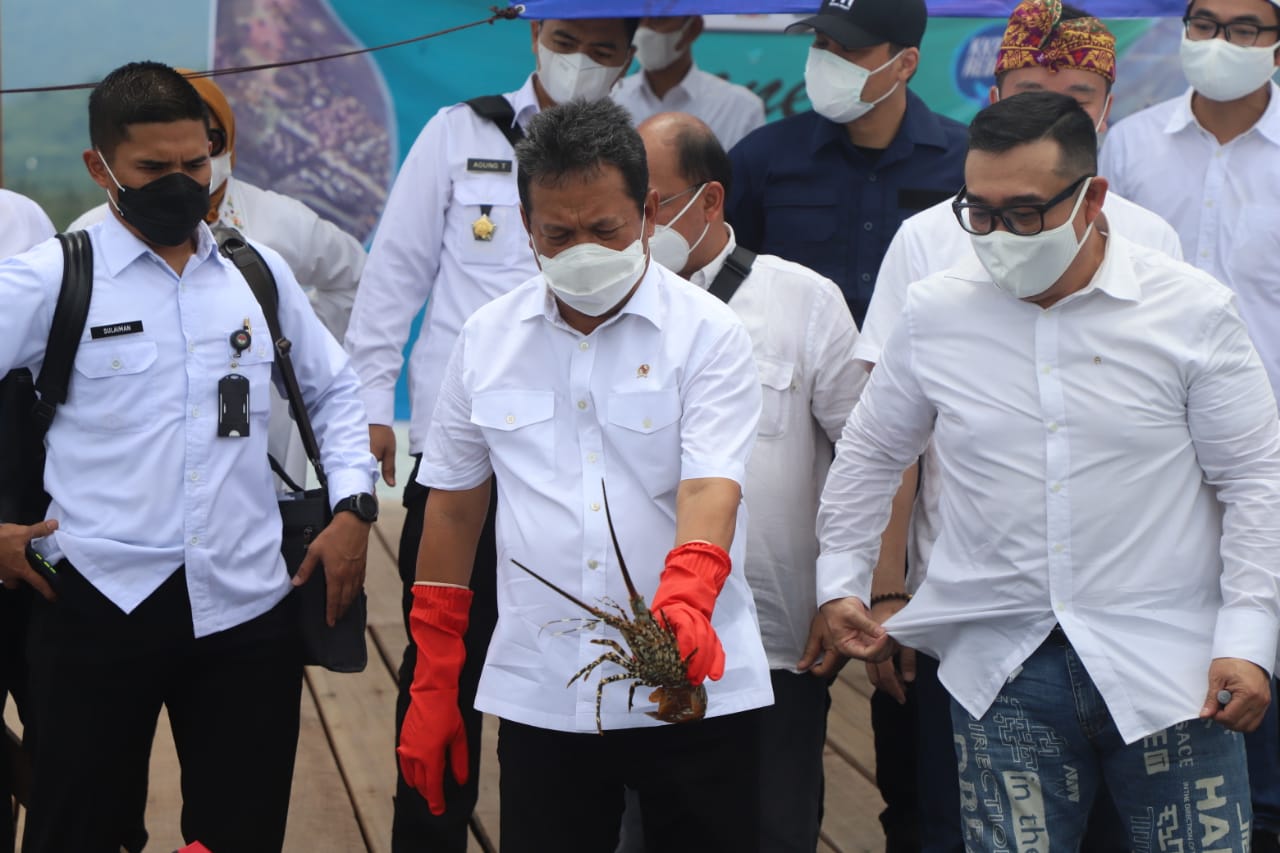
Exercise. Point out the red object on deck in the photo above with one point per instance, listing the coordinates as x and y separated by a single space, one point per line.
197 847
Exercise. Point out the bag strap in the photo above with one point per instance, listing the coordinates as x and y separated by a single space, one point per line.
498 110
69 317
263 284
735 270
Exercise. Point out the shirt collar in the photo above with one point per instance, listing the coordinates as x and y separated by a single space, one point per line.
687 85
119 247
1268 125
645 302
705 276
920 126
1115 276
524 101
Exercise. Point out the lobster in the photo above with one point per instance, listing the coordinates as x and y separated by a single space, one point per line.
653 659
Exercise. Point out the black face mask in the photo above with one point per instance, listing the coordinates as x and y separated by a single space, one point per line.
166 211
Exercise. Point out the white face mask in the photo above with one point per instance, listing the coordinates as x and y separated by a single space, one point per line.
668 246
656 51
835 86
592 278
220 167
1222 71
567 76
1028 266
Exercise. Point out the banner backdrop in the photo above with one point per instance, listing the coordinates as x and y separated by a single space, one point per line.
937 8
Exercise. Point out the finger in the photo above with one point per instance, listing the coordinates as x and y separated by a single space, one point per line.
873 674
826 666
1211 705
459 758
39 584
894 686
907 665
388 461
335 597
433 788
39 530
309 561
811 651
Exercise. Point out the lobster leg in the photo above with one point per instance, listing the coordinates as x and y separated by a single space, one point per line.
611 657
622 676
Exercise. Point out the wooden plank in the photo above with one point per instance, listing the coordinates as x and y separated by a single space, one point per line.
855 675
358 712
850 822
824 847
382 574
849 728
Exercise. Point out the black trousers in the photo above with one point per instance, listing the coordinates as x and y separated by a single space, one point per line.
414 829
15 606
696 782
98 680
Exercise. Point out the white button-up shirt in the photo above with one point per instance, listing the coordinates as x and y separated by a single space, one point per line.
139 480
426 251
324 259
663 392
25 224
1112 464
730 110
1224 201
932 241
803 336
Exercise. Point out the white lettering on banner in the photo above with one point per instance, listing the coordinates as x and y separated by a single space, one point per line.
841 4
1026 804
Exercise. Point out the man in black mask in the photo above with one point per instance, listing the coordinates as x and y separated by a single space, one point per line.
158 567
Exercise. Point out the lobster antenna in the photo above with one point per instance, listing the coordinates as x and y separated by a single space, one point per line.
622 564
577 601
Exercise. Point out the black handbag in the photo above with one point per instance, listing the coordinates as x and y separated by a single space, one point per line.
303 512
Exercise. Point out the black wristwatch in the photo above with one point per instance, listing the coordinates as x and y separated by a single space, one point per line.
363 505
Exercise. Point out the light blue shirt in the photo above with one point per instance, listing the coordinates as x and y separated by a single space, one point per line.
139 479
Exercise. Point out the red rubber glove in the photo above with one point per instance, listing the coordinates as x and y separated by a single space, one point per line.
433 726
694 575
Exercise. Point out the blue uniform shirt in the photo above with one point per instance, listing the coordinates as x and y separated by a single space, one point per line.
802 191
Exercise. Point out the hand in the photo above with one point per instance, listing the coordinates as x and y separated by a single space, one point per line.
892 675
1250 694
820 657
382 444
341 548
432 732
691 580
854 632
14 568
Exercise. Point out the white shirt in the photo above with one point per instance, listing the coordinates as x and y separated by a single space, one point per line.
803 335
932 241
140 483
324 259
663 392
730 110
1224 201
425 251
25 224
1112 464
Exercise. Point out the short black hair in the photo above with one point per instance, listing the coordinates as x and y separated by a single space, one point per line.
1032 116
702 157
1191 3
575 140
140 93
632 24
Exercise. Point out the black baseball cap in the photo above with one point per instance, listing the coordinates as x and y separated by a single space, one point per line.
866 23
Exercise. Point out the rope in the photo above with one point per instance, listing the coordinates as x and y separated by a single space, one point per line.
510 13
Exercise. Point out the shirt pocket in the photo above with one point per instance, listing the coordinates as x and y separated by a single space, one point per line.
776 387
255 365
471 196
114 388
519 428
644 429
800 216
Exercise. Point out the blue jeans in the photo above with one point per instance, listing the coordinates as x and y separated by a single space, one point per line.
1032 765
1263 750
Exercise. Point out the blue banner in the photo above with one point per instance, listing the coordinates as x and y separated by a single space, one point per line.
937 8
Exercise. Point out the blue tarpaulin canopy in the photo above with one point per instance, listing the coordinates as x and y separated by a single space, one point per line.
944 8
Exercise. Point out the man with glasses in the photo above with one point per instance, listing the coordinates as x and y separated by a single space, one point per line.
1102 595
1207 161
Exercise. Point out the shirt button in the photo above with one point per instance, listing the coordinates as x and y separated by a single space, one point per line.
195 540
195 412
582 404
1057 487
1047 369
647 423
195 475
866 276
1059 606
511 419
1209 203
867 226
595 507
1058 548
593 564
115 364
1053 427
591 457
873 177
584 346
191 347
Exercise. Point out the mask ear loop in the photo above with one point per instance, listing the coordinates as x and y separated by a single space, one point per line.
112 201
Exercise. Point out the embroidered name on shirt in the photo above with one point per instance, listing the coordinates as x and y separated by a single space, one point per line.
132 327
498 167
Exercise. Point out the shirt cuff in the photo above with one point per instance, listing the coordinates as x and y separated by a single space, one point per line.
380 406
866 351
726 469
841 575
1248 634
453 479
346 482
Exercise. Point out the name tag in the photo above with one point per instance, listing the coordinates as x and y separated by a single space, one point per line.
497 167
132 327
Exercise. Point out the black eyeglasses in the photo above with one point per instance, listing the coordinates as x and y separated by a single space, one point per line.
217 141
1242 33
1025 220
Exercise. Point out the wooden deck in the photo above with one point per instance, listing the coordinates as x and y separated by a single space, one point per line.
345 777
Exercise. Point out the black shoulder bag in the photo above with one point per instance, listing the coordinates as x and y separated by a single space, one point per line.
734 272
497 109
304 513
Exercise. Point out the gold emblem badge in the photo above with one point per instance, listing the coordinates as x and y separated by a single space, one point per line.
483 228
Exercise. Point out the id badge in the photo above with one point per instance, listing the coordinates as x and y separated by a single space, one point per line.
233 406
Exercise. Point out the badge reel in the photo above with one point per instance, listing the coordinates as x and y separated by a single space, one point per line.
233 391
